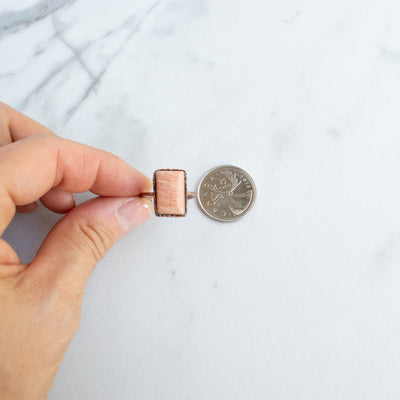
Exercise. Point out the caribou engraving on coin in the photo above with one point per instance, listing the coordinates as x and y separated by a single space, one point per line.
226 193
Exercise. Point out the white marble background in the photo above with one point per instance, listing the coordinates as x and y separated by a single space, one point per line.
300 299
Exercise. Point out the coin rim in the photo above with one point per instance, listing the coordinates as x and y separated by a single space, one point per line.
202 208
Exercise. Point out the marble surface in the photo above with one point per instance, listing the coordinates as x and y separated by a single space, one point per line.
300 299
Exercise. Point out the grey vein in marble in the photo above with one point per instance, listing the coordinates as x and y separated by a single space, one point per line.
95 80
77 56
12 22
76 52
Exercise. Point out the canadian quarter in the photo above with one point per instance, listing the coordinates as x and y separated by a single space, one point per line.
226 193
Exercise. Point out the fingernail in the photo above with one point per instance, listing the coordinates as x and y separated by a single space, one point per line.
133 212
71 200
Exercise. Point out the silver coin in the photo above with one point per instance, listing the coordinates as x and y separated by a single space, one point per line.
226 193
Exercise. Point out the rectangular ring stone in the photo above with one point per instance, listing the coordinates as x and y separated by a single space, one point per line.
170 190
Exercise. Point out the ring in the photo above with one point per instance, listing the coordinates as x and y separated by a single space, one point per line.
170 193
190 195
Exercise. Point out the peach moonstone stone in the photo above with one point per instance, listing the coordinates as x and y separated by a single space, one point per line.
170 188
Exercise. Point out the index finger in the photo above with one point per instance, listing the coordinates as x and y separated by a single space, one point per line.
30 167
16 126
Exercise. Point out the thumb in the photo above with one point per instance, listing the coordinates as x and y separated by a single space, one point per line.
81 239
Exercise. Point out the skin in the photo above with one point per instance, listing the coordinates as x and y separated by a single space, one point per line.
40 302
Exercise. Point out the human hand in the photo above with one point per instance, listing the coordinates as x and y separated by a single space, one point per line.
40 302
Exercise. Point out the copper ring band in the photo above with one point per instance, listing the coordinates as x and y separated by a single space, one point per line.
190 195
147 194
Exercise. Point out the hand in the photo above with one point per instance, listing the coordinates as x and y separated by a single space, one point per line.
40 302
